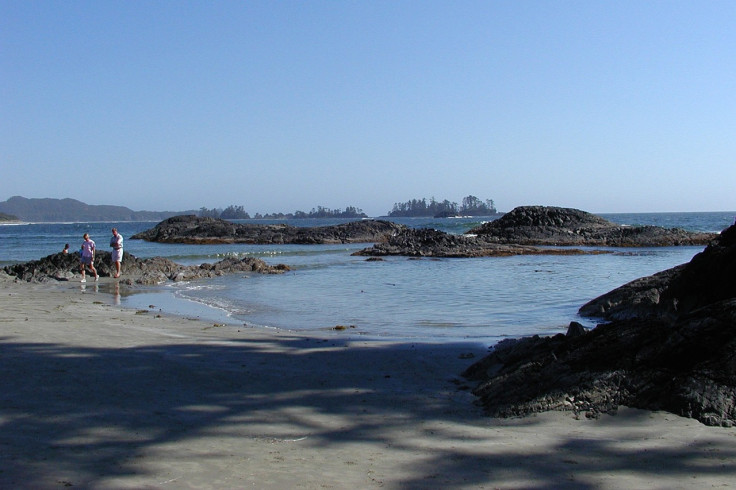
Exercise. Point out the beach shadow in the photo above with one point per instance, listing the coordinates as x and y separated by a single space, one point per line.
91 412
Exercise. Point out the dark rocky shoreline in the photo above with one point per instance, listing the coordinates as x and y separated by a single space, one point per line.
156 270
670 346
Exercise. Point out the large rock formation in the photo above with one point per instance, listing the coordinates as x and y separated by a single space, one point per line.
543 225
156 270
672 349
195 230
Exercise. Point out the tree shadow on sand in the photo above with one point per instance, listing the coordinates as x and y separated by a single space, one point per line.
91 412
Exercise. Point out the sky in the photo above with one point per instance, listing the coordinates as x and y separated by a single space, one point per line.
277 106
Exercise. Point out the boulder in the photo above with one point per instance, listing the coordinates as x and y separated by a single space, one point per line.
575 329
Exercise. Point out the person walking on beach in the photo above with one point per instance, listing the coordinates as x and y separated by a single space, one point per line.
88 256
116 242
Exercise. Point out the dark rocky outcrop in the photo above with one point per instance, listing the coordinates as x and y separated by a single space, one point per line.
433 243
200 230
640 298
545 225
673 348
156 270
709 277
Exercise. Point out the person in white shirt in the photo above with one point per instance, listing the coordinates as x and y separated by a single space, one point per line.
116 242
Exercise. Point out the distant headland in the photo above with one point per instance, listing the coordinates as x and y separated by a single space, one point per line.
60 210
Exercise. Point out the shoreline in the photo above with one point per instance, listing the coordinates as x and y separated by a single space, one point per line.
96 395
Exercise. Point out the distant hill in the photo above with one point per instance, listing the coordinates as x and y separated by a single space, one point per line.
55 210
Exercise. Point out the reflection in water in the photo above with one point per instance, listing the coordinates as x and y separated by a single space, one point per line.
94 289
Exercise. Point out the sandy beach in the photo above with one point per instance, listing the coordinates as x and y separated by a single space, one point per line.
97 396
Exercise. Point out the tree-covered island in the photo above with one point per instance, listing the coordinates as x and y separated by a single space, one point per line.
471 206
238 212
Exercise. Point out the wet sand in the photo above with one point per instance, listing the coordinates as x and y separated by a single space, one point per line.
97 396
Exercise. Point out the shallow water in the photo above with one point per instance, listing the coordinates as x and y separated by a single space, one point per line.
482 299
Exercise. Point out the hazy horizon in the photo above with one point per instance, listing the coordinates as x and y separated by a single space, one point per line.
605 107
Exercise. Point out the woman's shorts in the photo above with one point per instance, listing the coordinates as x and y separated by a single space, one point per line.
86 260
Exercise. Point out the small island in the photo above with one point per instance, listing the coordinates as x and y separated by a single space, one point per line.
203 230
417 208
555 226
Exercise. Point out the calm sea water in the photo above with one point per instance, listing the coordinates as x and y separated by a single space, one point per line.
428 300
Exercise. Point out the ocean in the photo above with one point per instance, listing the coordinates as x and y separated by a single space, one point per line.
479 300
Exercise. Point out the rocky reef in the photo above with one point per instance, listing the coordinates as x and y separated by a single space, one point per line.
532 230
670 346
547 225
201 230
157 270
433 243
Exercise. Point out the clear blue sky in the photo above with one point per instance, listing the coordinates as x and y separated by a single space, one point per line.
605 106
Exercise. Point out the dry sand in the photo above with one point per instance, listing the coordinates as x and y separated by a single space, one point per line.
96 396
